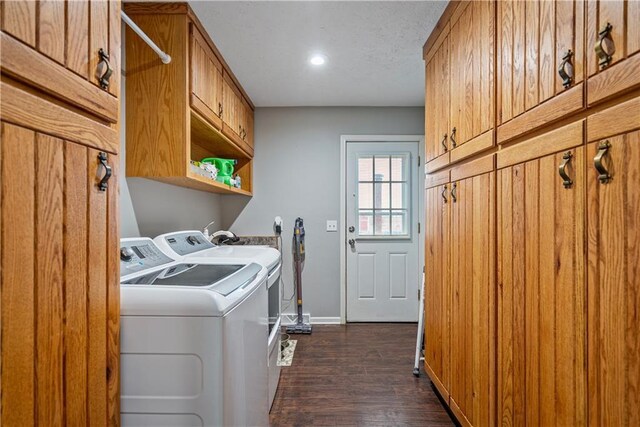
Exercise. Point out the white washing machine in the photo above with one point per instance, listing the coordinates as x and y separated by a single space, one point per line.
194 246
192 351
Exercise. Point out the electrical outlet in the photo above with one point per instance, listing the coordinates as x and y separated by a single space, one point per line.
332 225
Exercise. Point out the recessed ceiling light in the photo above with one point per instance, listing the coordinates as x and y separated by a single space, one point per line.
317 59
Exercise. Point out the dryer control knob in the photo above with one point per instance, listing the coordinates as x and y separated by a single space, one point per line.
126 254
192 240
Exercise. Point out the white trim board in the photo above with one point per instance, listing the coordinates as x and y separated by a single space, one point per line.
290 319
344 140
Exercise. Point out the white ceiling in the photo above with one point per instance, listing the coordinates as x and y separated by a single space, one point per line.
373 49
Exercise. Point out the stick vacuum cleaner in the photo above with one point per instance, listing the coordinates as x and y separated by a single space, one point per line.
298 264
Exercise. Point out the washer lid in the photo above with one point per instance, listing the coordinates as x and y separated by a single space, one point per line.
220 278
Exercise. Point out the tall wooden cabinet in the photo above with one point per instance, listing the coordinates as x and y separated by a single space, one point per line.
473 291
532 265
613 248
59 213
438 294
460 291
541 279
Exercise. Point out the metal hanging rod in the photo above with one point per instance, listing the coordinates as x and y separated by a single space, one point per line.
164 57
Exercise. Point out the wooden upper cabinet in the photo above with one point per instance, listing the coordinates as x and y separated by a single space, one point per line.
437 100
535 40
472 53
541 294
459 101
613 43
69 49
613 248
206 80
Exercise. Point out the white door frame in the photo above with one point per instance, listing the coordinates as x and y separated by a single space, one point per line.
344 140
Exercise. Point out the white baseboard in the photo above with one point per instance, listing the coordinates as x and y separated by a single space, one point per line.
290 319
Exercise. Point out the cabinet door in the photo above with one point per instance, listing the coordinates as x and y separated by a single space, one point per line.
614 283
60 283
437 101
541 293
206 80
231 106
473 300
534 37
471 58
613 25
437 295
248 123
55 46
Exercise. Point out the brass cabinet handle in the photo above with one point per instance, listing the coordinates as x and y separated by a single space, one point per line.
444 193
567 182
444 143
566 69
102 185
454 196
220 109
603 174
453 138
605 46
103 77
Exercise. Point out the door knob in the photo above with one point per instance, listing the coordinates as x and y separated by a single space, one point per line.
352 243
352 229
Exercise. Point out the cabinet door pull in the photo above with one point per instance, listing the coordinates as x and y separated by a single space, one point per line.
220 109
444 143
605 46
453 138
103 77
454 196
444 194
102 185
603 174
566 69
567 182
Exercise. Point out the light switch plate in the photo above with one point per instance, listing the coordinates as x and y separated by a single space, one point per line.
332 225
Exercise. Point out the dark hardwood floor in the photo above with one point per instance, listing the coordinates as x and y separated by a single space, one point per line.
356 375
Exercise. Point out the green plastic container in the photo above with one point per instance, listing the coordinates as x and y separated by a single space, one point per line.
225 168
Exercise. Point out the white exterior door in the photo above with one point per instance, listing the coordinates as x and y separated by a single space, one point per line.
382 243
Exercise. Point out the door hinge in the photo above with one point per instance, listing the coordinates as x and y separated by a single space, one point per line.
419 161
418 228
418 294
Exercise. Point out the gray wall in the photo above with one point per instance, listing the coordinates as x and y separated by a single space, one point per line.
297 173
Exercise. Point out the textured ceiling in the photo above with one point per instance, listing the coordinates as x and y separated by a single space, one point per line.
373 49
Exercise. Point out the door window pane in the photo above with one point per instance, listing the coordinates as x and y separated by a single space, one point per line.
381 221
382 195
381 170
398 168
399 223
365 168
365 195
399 195
365 223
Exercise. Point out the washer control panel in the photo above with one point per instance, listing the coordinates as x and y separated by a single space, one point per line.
140 254
187 242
